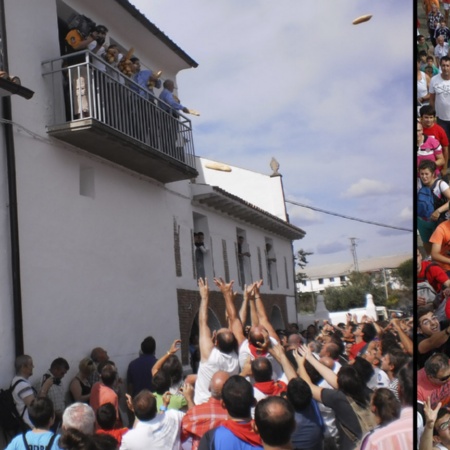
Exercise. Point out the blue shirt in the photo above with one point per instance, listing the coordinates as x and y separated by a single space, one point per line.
139 373
308 432
36 441
141 78
167 97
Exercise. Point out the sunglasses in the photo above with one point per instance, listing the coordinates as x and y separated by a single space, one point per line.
444 425
443 378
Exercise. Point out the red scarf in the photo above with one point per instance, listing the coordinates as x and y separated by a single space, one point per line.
255 351
243 431
271 387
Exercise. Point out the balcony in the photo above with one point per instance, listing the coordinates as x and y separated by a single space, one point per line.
100 110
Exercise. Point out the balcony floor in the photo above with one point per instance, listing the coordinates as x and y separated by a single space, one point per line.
105 142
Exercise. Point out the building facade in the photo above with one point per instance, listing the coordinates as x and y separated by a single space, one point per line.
99 211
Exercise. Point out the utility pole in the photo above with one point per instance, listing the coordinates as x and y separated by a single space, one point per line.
355 256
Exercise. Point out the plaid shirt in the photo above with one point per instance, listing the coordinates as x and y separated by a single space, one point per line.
202 418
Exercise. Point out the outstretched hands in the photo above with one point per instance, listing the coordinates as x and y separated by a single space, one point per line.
175 346
225 288
430 413
203 287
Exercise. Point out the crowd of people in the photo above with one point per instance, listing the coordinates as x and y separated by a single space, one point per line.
342 386
433 225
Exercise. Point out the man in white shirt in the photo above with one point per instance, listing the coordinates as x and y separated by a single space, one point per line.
441 48
440 94
152 430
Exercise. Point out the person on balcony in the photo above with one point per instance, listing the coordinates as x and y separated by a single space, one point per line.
169 126
94 43
147 79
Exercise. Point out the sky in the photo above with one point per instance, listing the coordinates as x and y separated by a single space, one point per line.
331 101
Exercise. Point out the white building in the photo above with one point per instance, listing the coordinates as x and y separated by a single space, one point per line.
98 213
335 275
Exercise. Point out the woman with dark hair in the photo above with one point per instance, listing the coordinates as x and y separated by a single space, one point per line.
349 398
386 408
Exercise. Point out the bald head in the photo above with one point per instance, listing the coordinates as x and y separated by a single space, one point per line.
217 382
295 340
256 334
327 361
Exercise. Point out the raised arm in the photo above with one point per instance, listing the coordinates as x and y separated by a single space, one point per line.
329 376
173 349
316 390
205 342
426 440
262 315
404 338
233 318
244 307
277 351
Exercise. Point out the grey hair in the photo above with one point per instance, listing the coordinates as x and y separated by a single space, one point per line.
21 361
435 363
79 416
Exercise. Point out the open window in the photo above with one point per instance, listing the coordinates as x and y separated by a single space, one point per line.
271 262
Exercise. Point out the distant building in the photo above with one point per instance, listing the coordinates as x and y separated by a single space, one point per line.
336 275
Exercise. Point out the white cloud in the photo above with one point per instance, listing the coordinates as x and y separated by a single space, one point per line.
329 100
365 187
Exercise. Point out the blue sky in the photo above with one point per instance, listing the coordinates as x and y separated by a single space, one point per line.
331 101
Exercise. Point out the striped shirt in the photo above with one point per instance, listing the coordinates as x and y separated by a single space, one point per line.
397 435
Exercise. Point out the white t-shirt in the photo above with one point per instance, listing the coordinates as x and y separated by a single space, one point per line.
441 88
379 379
216 361
244 353
160 433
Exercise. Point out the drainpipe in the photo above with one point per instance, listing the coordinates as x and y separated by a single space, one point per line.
12 194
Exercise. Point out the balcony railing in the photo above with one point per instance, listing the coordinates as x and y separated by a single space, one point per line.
99 109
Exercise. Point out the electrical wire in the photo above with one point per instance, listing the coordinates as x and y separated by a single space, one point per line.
348 217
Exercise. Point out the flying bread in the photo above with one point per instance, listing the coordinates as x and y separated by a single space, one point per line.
362 19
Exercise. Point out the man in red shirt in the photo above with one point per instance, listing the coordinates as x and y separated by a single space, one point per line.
431 128
364 333
206 416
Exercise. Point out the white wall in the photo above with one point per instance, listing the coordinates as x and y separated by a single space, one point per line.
258 189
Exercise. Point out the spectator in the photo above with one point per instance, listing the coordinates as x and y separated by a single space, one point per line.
429 148
309 429
139 373
442 30
79 416
106 418
440 245
206 416
431 128
23 393
422 44
441 49
217 354
42 416
433 380
152 430
385 406
98 355
237 432
274 419
56 393
103 391
391 362
439 85
363 334
433 20
398 434
379 378
80 387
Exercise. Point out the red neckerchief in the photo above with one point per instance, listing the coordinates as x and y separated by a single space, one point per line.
243 431
271 387
255 351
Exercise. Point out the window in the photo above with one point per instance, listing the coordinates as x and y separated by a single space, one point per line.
331 279
320 280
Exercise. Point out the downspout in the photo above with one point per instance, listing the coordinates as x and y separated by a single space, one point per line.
12 195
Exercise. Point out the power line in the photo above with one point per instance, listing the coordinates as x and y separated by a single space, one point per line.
348 217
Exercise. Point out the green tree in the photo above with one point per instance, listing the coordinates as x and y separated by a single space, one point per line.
353 295
405 273
305 301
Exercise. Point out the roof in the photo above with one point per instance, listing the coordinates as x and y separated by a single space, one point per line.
367 265
156 31
221 200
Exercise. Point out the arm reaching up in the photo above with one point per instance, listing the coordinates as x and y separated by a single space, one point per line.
205 342
233 318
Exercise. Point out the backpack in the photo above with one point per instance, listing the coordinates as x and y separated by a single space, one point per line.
82 24
47 447
428 202
10 420
366 419
425 290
